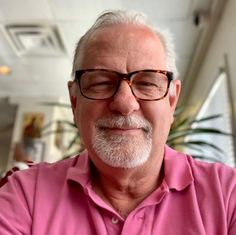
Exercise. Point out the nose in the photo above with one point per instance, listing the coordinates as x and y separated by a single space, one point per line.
124 102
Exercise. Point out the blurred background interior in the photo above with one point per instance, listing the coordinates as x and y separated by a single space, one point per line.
37 41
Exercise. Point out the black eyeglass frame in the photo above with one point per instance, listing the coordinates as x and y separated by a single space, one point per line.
124 76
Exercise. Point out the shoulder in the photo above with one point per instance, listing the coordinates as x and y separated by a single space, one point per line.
215 187
200 170
39 171
205 176
213 177
218 170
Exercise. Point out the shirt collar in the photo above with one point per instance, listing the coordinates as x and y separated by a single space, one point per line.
177 171
81 171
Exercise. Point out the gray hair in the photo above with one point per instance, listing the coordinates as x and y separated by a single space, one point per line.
115 17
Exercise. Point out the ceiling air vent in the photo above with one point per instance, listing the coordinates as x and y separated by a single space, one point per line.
36 40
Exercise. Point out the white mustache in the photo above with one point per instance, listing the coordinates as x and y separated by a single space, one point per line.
119 121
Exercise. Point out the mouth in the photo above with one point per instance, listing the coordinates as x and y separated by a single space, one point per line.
121 125
122 130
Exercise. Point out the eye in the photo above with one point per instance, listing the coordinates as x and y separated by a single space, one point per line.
97 82
100 86
147 83
150 80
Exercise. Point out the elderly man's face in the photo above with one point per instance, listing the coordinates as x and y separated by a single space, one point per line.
123 131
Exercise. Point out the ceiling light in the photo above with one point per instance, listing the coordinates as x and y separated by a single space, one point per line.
4 70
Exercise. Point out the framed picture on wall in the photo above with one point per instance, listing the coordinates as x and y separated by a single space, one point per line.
32 124
34 147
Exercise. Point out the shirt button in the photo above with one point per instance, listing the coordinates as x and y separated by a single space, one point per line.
114 220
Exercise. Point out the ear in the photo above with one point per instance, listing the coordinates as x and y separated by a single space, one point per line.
174 95
73 97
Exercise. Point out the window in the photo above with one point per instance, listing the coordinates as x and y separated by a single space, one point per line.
217 102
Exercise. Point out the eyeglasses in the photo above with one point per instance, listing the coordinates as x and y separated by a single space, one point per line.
101 84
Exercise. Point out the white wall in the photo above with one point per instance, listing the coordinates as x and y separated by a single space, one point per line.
223 43
7 118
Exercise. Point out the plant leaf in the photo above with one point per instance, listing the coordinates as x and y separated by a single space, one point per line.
199 143
73 141
65 122
194 131
207 118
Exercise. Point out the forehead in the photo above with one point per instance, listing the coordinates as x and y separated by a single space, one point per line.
125 44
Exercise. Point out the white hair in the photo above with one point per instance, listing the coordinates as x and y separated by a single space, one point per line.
115 17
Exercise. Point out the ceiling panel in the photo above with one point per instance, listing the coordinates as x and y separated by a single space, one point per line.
21 10
48 69
162 9
81 10
5 49
70 32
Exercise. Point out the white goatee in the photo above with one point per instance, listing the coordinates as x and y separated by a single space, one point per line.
123 151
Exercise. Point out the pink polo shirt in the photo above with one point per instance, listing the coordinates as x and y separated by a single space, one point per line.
195 198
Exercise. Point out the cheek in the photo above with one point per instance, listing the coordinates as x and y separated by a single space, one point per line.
162 124
87 113
160 117
73 101
83 118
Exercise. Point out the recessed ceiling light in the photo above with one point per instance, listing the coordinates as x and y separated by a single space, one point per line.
4 70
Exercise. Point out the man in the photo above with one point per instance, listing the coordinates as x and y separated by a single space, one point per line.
127 181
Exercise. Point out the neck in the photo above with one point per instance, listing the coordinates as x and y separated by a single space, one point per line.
125 189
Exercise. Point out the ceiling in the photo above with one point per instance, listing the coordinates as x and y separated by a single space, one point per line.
41 61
